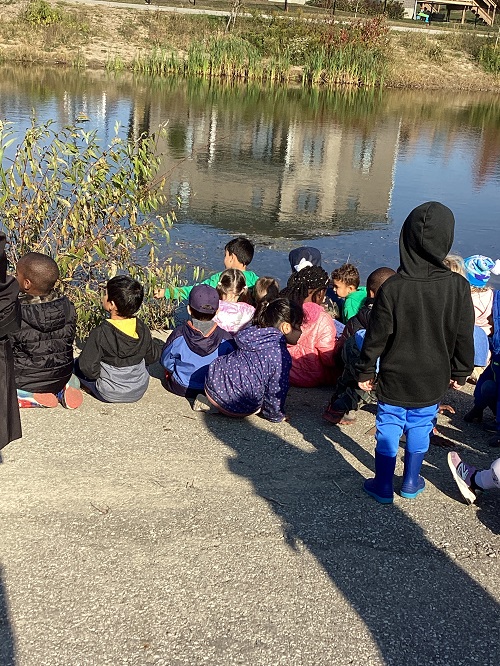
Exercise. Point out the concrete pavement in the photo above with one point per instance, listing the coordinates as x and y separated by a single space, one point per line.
150 534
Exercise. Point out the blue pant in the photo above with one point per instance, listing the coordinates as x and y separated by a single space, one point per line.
486 391
392 422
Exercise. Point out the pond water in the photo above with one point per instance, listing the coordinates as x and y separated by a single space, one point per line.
339 170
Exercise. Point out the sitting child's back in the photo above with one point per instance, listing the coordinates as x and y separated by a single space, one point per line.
314 355
233 313
192 346
478 270
114 359
256 376
43 347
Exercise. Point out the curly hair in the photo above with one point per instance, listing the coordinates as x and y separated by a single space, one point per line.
348 274
308 281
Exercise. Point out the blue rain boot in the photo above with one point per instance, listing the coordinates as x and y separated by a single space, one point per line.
381 487
413 483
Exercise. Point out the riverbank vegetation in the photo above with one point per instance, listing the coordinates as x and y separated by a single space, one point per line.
273 48
94 208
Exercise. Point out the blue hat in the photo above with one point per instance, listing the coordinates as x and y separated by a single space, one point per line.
304 256
478 269
204 298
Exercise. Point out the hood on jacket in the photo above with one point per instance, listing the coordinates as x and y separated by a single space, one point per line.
254 338
201 344
425 240
43 313
122 345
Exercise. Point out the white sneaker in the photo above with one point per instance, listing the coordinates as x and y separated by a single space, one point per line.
203 404
462 473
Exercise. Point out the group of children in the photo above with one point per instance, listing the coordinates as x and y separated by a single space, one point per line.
401 341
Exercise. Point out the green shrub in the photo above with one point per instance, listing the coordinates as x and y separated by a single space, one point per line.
489 57
39 12
93 209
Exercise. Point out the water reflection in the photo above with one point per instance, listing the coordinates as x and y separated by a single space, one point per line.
293 164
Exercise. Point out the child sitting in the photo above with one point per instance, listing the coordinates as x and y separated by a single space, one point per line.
10 319
255 377
265 289
348 395
487 391
43 347
192 346
478 270
481 340
233 313
313 357
302 257
346 285
238 253
112 365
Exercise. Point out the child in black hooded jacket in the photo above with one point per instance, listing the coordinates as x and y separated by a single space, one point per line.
421 327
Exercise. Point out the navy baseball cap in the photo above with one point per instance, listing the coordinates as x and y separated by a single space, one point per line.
204 298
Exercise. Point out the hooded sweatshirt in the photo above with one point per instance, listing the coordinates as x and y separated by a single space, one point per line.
117 361
422 321
189 350
313 357
43 348
255 376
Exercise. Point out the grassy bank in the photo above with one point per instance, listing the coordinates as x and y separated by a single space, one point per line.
273 48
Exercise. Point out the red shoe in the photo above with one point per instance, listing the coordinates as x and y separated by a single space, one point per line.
46 399
70 397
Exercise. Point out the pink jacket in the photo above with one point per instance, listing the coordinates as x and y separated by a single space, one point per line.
314 356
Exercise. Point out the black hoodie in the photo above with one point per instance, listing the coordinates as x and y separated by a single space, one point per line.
422 322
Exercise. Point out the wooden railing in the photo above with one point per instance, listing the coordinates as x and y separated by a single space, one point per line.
484 9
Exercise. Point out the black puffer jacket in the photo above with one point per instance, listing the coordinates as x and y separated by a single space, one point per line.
43 348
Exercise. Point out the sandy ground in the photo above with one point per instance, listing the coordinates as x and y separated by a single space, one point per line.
151 534
117 35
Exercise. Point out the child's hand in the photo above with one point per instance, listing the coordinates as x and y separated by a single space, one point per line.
159 293
455 385
367 386
446 408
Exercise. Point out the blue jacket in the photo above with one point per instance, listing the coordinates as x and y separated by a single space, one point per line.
254 376
188 353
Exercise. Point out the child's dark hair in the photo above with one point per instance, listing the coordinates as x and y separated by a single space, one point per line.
266 288
231 280
201 316
277 312
126 293
242 248
41 270
310 279
348 274
377 278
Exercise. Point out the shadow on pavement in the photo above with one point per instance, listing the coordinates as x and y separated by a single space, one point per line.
7 652
418 604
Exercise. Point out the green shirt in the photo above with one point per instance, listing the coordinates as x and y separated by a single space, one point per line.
182 293
353 303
